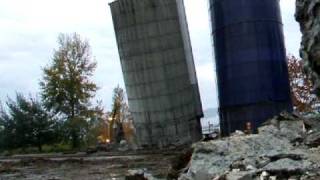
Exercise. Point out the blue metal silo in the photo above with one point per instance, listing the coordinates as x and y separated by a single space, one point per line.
251 63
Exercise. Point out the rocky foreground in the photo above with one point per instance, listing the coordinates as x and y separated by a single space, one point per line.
287 147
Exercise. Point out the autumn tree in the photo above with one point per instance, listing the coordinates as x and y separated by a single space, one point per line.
67 88
116 113
118 103
96 125
301 87
119 114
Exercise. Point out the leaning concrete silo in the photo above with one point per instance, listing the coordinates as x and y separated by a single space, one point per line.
158 69
251 63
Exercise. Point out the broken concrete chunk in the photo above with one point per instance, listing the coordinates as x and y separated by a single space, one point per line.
287 166
292 130
242 175
284 127
313 139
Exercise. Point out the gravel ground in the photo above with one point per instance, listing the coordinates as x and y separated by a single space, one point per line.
78 167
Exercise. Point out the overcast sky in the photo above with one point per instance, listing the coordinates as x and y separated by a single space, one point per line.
29 29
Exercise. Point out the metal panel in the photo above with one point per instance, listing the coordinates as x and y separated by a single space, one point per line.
250 61
158 68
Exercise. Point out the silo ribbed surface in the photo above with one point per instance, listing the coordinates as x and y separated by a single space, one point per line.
158 69
251 63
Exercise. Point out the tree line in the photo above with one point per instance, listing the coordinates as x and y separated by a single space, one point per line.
63 113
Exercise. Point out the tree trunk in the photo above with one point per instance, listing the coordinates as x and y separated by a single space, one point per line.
39 147
39 143
74 136
75 139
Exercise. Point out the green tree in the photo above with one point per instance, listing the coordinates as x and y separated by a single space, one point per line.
26 124
19 122
45 128
6 130
66 85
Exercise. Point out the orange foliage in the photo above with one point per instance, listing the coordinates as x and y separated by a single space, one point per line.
301 86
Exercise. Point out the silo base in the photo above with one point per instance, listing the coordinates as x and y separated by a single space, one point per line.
236 118
174 136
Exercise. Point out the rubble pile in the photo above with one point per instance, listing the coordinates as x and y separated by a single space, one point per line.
308 15
287 147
